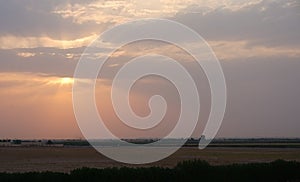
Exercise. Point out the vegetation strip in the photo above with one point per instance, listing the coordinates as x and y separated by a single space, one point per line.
278 170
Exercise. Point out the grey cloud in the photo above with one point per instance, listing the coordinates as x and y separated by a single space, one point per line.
35 18
57 64
269 23
263 98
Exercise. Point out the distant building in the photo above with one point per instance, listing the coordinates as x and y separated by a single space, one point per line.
202 137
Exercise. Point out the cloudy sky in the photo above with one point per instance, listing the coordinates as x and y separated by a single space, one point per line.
257 43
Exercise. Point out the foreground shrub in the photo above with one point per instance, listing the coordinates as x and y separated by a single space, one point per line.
195 170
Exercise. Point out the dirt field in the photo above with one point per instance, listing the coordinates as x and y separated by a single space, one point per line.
64 159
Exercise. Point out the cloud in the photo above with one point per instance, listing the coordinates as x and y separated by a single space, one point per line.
36 19
13 42
47 60
41 42
262 98
123 10
63 23
26 54
236 50
267 23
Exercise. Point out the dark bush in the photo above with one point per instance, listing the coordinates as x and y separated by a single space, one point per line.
195 170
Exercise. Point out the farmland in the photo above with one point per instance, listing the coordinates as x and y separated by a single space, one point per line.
65 159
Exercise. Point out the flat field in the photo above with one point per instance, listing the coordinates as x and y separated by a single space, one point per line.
65 159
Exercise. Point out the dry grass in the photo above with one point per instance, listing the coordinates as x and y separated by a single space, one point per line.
22 159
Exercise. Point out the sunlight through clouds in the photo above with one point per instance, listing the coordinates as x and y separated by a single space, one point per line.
122 10
257 43
11 42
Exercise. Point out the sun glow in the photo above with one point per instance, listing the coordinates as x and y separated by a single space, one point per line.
66 81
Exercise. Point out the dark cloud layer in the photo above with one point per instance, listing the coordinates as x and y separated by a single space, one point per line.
269 23
36 18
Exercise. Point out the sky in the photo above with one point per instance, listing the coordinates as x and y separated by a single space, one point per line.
256 42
